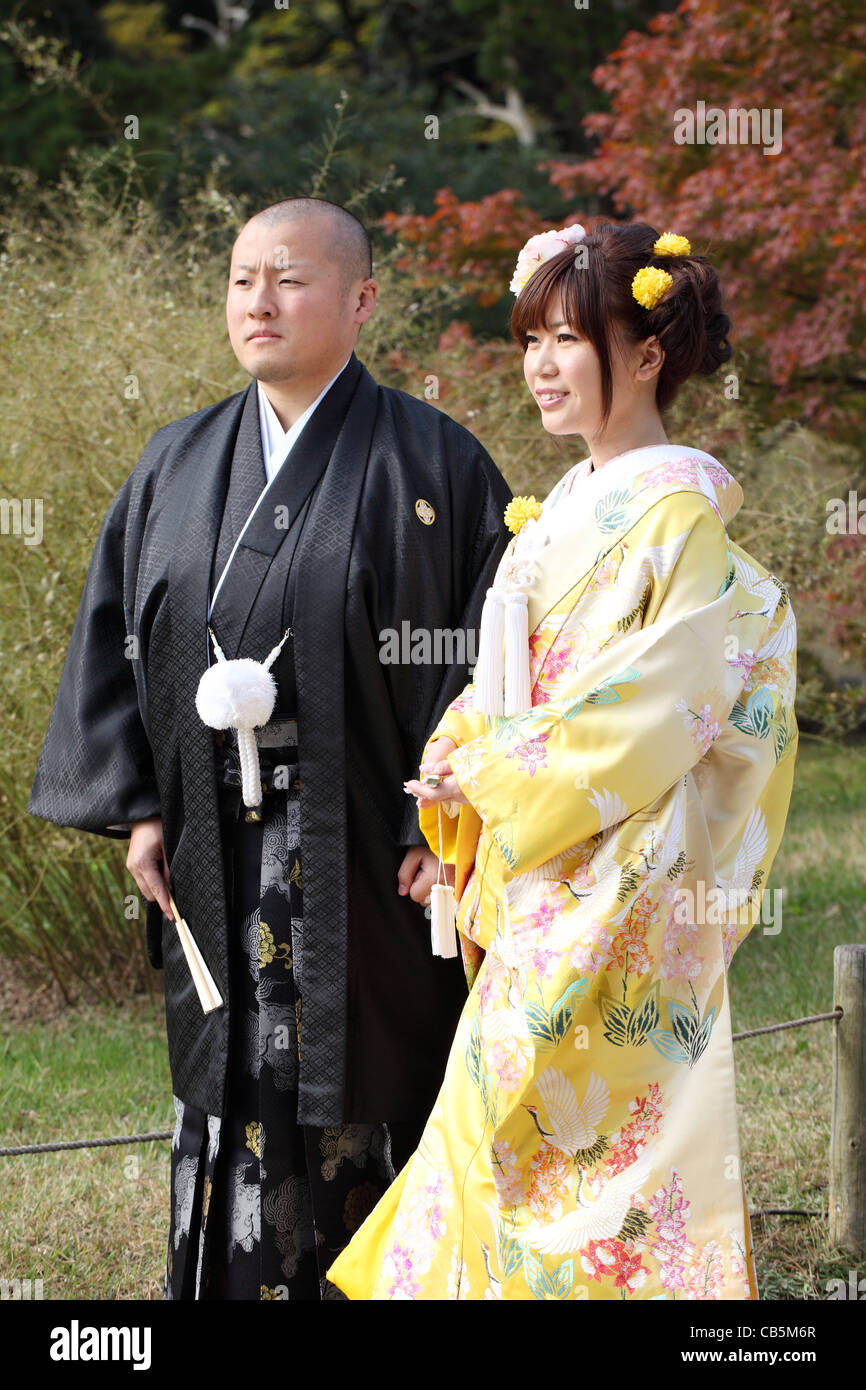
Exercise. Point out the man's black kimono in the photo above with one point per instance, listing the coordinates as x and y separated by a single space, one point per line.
385 512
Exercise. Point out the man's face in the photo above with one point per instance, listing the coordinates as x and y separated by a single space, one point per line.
289 316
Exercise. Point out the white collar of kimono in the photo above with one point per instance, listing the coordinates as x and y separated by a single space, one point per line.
277 444
502 673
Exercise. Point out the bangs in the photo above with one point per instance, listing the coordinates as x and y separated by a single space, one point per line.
533 308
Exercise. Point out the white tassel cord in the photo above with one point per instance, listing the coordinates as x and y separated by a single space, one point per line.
443 910
517 692
489 670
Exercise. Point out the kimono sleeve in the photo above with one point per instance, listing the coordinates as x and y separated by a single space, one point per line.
626 725
95 771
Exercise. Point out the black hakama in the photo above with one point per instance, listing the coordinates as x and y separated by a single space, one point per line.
261 1205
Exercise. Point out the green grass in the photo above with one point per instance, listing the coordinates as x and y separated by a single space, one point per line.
93 1224
784 1080
90 1223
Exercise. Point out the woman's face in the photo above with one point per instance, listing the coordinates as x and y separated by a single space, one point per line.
563 373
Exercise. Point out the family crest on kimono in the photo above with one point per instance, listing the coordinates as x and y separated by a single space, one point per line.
625 750
277 533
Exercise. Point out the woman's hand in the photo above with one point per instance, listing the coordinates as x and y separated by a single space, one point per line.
437 764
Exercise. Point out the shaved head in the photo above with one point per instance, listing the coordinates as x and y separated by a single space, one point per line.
346 239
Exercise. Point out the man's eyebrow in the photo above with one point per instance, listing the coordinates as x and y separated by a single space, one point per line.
290 265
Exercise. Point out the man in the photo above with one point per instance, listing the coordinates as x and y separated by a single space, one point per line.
320 506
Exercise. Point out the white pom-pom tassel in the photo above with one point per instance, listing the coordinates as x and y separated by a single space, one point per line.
517 692
443 921
238 694
490 667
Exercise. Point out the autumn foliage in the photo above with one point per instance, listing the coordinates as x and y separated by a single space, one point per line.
786 230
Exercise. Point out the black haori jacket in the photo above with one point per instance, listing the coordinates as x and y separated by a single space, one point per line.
394 516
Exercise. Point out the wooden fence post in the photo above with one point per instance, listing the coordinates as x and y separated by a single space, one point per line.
848 1133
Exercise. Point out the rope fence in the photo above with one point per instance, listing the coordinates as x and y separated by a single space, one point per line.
847 1204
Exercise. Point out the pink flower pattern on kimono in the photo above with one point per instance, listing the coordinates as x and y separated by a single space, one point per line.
549 1183
507 1174
701 725
597 1259
705 1279
669 1210
739 1269
530 933
679 961
559 661
420 1226
537 650
588 957
618 1258
743 662
509 1059
532 754
686 471
629 950
464 701
493 987
729 941
628 1143
398 1264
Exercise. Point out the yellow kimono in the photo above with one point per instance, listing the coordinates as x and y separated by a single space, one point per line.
614 853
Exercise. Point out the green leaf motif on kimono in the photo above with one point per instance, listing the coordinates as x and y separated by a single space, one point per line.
760 710
504 837
701 1038
626 1026
688 1037
563 1279
549 1029
644 1017
603 694
511 728
666 1043
615 1016
473 1052
683 1022
482 1079
755 716
610 512
511 1257
543 1285
782 732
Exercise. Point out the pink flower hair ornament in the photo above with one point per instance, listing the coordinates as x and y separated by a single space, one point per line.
541 248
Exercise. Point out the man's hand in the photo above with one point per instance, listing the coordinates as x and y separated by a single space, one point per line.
418 873
146 861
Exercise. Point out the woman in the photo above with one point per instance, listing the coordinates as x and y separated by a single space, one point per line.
622 765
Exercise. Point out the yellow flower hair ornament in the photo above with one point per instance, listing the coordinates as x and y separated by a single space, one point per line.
651 283
519 511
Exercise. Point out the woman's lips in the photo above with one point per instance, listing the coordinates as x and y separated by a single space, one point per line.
548 400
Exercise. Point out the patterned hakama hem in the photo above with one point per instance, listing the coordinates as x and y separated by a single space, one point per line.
260 1205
